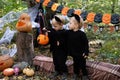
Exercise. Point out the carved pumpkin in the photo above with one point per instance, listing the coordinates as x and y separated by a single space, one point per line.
106 18
54 6
45 3
65 10
43 39
5 62
90 17
28 71
24 24
78 12
8 72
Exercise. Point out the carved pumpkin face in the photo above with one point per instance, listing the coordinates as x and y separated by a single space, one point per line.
65 10
106 18
78 12
24 24
43 39
90 17
45 3
54 6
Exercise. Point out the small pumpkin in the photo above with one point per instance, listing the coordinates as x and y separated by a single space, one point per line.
8 72
78 12
106 18
65 10
24 23
90 17
28 71
45 3
54 6
43 39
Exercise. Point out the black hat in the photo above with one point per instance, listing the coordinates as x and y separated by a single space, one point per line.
115 18
59 9
50 4
98 18
70 12
84 15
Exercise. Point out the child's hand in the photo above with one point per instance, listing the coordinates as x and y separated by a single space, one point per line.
85 56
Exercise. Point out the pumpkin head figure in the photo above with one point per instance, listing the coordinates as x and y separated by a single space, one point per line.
24 24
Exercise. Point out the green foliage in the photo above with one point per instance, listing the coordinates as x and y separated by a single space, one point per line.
11 5
110 49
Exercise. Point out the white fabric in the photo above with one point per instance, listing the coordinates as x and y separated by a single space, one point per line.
7 37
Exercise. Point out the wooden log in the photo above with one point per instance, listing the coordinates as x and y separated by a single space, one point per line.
25 48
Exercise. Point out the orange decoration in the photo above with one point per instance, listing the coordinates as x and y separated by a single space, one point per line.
45 3
24 23
90 17
106 18
5 62
43 39
78 12
54 6
37 0
65 10
8 72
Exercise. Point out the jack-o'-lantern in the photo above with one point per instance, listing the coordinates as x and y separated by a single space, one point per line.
90 17
54 6
65 10
5 62
78 12
8 72
106 18
45 3
43 39
24 23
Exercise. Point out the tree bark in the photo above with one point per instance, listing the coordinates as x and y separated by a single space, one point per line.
25 49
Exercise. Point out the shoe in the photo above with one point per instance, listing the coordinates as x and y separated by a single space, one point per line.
75 77
85 78
64 76
54 75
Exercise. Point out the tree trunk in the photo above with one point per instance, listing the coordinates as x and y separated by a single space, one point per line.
25 49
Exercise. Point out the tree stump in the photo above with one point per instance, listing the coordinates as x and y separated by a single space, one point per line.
25 48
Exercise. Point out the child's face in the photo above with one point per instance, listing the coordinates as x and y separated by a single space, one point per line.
73 24
57 26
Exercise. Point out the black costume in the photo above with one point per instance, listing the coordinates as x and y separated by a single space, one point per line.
77 45
58 49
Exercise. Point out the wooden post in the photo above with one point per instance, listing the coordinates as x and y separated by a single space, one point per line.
25 49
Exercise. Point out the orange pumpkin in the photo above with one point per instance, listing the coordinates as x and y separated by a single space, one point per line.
37 0
24 24
5 62
8 72
78 12
54 6
106 18
45 3
65 10
90 17
43 39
